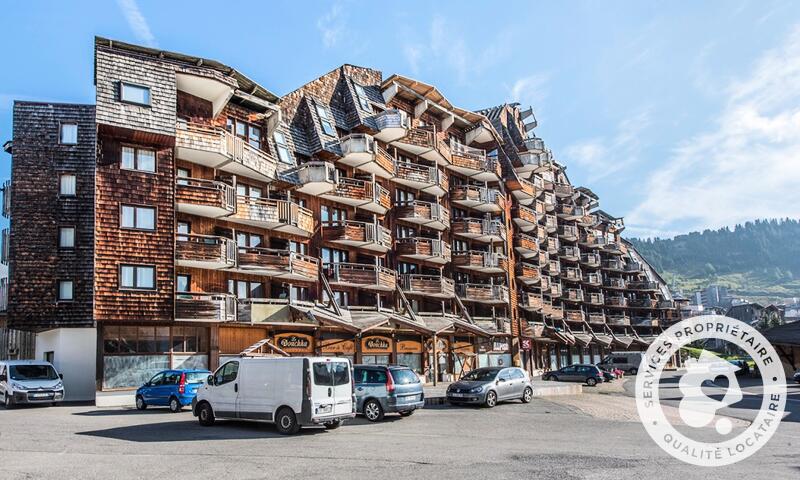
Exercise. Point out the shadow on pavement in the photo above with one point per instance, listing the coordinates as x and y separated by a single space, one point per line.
186 431
113 412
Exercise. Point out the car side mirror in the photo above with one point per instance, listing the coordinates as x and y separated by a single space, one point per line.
210 380
501 380
61 376
3 378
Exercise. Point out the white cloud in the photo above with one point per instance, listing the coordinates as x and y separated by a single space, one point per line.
137 22
746 166
530 90
332 25
413 53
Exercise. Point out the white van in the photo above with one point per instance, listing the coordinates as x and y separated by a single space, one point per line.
288 391
625 361
29 381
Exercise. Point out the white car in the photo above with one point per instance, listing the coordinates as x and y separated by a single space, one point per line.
29 381
289 392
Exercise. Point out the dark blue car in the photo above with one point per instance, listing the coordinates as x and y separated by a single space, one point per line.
171 388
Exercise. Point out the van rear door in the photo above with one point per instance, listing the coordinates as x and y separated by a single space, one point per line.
343 387
331 390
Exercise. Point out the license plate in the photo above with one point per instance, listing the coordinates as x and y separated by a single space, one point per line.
325 409
458 395
41 395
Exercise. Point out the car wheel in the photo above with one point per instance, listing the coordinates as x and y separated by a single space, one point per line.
373 411
140 405
205 415
333 425
407 413
491 399
286 421
553 378
175 405
591 381
633 371
8 402
527 395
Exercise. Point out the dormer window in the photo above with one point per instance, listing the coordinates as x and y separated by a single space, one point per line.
363 100
283 149
136 94
325 121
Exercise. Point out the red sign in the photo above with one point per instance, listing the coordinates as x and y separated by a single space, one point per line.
526 343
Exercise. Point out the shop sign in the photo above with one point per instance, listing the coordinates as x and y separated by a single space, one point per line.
376 344
526 344
500 346
409 346
344 346
295 342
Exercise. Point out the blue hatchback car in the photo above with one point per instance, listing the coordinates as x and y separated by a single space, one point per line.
171 388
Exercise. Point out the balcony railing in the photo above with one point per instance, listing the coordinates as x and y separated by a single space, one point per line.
591 260
482 293
482 230
593 241
434 286
424 249
595 299
614 265
619 302
545 282
392 125
313 178
474 163
633 267
361 151
550 223
572 274
421 177
568 232
486 262
527 162
563 190
553 311
641 302
368 236
574 316
478 198
614 282
363 194
530 301
549 201
217 148
205 307
552 245
280 264
534 144
596 318
368 277
555 289
205 251
525 218
528 274
526 245
643 285
593 279
5 237
574 295
493 324
6 188
644 321
424 143
427 214
618 320
523 190
666 304
570 253
206 198
278 215
553 268
587 220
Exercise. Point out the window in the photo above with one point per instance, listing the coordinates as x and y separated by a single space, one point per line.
246 289
182 283
67 184
297 247
250 133
69 134
283 149
340 297
402 196
183 173
66 237
254 136
140 159
137 277
189 339
298 293
332 214
332 255
248 240
324 121
184 229
246 190
226 373
362 97
137 94
141 218
64 290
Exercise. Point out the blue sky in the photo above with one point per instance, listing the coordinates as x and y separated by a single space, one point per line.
680 115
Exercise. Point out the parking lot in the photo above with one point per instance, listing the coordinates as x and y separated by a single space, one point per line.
592 436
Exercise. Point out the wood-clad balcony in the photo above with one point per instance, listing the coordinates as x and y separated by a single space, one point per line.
592 241
427 179
313 178
570 212
433 286
553 268
570 253
618 320
614 265
526 245
642 302
596 318
361 151
643 285
364 194
205 307
572 274
541 234
595 299
574 295
204 251
533 145
616 302
553 311
633 267
530 301
478 229
523 190
574 316
563 190
550 223
554 290
482 293
568 233
614 283
215 147
276 215
593 279
532 162
545 282
587 219
426 214
528 274
424 250
474 163
591 260
205 198
552 245
613 247
549 201
493 324
478 198
665 304
644 321
477 261
368 236
542 258
424 143
364 276
392 125
278 264
525 218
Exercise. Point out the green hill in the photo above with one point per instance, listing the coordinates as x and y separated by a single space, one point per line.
759 260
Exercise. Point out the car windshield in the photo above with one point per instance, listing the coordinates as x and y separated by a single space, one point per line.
404 376
196 377
481 375
33 372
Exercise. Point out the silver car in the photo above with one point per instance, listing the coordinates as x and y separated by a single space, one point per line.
382 389
489 385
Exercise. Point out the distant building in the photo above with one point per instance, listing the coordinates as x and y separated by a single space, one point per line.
712 296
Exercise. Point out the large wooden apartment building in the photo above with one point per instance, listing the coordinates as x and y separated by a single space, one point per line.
191 213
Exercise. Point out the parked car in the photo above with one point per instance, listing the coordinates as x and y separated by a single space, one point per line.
171 388
30 381
489 385
797 376
626 361
607 374
288 391
588 374
382 389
